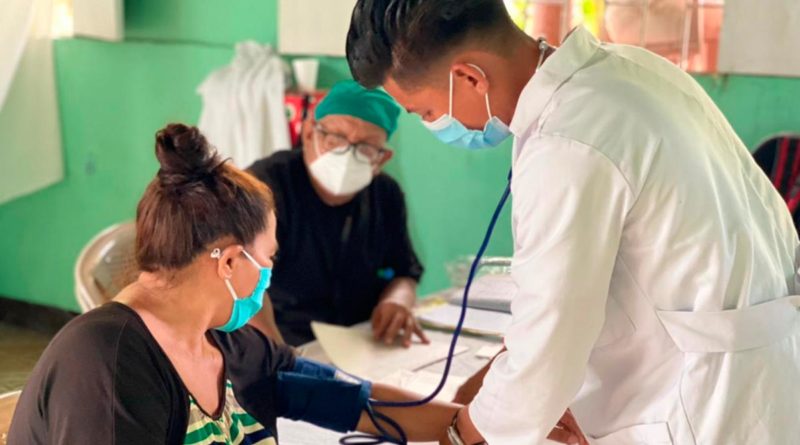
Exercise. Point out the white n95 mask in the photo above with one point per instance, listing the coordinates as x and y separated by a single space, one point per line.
339 172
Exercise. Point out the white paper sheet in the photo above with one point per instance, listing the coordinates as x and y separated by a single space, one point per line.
302 433
355 351
424 382
477 321
489 351
490 292
291 432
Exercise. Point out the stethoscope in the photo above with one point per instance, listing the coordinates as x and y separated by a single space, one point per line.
400 436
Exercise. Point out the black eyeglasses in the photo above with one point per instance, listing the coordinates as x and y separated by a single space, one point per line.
362 151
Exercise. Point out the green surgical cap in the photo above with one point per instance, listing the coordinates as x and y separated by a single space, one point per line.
349 98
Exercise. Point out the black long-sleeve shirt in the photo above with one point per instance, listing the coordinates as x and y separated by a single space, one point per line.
104 379
334 262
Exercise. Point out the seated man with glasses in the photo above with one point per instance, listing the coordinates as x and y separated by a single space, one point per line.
345 254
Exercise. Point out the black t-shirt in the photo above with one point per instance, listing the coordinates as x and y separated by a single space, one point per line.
334 262
105 380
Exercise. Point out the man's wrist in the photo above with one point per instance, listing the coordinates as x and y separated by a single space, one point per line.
462 428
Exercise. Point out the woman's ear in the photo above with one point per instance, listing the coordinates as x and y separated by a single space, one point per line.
225 260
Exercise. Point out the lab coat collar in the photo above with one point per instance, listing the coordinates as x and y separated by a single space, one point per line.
579 46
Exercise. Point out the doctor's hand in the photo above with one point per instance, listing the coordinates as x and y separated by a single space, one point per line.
469 389
391 320
567 431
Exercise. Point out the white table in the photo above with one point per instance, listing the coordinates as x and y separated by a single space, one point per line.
464 365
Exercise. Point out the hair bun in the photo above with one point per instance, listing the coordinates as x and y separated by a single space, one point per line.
184 155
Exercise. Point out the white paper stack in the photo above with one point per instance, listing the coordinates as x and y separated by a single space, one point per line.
355 351
488 292
291 432
424 382
477 321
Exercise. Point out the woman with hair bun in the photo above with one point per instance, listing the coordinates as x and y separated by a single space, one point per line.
171 360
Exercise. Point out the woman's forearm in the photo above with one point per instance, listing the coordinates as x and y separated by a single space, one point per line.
428 422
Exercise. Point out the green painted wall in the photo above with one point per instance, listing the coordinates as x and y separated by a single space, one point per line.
757 107
114 96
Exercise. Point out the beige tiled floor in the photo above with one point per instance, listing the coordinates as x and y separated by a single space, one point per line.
19 350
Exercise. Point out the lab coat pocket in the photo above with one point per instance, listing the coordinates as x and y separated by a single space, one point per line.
617 325
646 434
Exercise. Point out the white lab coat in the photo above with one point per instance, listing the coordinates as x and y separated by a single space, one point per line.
654 264
244 115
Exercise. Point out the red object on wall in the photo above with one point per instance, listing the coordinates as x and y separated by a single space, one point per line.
298 106
779 157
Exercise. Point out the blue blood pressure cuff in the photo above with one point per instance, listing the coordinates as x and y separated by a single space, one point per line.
322 395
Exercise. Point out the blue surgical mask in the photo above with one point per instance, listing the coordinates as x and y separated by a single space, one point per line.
245 308
452 132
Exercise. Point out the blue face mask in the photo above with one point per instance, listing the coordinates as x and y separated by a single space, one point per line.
244 308
452 132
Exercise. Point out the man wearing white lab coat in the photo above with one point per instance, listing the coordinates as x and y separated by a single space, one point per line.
654 261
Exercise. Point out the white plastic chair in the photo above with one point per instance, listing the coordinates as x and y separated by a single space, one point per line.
8 402
105 266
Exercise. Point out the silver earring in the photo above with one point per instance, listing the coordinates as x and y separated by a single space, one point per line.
216 253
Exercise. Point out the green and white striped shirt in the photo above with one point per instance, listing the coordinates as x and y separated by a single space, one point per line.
234 426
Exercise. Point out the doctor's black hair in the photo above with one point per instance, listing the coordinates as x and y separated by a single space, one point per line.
195 199
404 38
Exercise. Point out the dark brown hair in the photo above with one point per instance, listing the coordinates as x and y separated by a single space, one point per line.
195 199
405 38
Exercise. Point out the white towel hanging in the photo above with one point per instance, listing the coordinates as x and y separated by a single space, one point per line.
243 112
